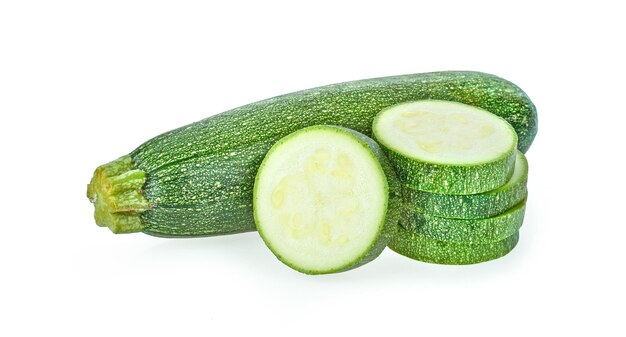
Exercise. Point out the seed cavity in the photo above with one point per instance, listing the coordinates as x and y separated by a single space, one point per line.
323 190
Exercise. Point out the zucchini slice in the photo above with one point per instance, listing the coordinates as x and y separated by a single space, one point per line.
486 230
473 206
447 147
325 200
422 248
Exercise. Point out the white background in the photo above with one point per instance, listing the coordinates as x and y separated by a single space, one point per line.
83 82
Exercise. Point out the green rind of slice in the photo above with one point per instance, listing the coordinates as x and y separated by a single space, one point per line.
472 206
422 248
472 231
452 179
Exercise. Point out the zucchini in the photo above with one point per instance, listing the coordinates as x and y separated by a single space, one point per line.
472 206
486 230
326 200
197 180
447 147
422 248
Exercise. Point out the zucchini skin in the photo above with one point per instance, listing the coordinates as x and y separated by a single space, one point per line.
487 230
422 248
205 195
197 173
452 179
472 206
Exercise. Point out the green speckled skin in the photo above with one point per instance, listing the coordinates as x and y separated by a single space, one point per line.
388 225
472 206
421 248
205 195
197 172
465 230
452 179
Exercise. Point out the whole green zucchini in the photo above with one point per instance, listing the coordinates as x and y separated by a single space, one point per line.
197 180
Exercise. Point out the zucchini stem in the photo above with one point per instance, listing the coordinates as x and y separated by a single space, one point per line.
116 192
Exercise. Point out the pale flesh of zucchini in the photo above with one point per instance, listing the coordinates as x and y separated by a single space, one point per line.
446 132
320 200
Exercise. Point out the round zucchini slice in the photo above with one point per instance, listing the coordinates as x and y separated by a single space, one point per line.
326 200
447 147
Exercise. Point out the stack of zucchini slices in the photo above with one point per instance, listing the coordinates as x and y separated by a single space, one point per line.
330 176
464 181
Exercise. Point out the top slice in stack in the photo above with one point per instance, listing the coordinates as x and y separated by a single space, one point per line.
447 147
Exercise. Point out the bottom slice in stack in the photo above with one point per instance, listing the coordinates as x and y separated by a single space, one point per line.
419 247
463 229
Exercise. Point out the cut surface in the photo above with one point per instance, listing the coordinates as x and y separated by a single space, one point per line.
443 132
473 206
320 199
